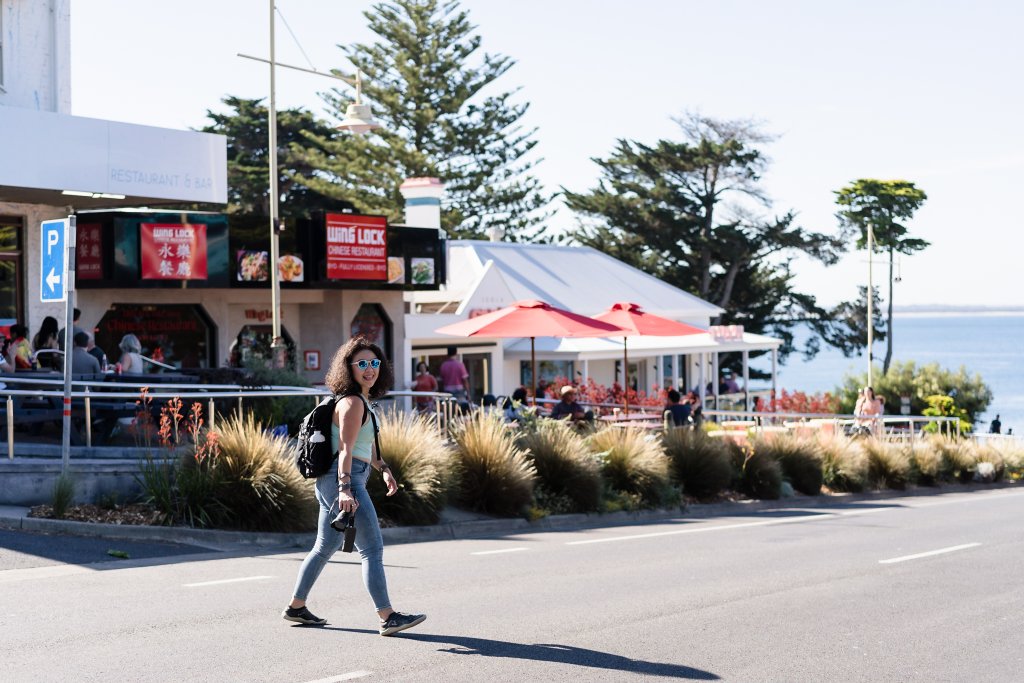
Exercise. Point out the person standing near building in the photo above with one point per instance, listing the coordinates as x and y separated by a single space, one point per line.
358 374
996 426
424 382
454 376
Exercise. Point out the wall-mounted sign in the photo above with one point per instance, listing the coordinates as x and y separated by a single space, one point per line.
89 252
726 332
357 247
173 251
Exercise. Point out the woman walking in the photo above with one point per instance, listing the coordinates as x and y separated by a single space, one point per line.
358 373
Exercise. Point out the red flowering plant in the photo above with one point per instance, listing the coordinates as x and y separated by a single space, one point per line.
800 402
592 393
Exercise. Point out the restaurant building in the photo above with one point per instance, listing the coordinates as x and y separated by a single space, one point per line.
193 286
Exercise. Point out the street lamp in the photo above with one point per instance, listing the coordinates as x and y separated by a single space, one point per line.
358 119
871 303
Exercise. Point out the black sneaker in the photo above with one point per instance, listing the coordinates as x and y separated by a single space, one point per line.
302 615
399 622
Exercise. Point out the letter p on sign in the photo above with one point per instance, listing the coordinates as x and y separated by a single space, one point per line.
53 261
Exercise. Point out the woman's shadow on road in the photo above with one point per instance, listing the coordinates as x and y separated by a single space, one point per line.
552 652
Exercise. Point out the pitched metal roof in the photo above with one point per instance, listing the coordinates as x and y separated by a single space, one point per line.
579 279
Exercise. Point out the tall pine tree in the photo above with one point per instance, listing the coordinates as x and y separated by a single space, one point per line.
424 78
245 125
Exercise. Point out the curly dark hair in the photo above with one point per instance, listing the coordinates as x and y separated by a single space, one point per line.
339 375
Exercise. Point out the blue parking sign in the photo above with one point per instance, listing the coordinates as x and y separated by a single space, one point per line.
53 261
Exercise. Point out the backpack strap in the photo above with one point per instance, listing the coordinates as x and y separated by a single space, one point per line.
376 429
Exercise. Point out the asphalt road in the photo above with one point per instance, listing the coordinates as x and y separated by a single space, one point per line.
907 589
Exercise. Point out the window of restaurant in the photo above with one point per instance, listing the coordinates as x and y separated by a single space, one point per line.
181 335
252 344
373 323
11 290
547 371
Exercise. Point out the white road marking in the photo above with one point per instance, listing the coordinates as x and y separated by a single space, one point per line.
930 553
495 552
343 677
217 583
884 506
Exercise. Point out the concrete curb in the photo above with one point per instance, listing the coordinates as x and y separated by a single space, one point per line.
15 518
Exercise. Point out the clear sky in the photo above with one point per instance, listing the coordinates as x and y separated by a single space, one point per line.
929 91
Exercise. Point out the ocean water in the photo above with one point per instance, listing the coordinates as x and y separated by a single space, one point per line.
991 345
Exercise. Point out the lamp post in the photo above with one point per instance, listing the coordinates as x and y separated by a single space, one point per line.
871 302
358 119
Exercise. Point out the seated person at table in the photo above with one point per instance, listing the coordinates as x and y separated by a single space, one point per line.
515 404
680 411
83 362
568 408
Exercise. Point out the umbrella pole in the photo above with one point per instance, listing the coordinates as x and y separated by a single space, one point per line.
625 373
533 370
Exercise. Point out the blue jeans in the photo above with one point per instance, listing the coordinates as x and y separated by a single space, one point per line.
368 539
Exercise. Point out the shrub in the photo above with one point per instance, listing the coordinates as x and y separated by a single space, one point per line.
944 406
888 465
699 464
926 462
760 475
568 475
957 457
843 465
63 494
632 464
1012 453
421 462
799 459
918 382
987 455
256 484
494 475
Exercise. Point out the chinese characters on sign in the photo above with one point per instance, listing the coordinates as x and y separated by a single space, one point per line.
357 247
173 252
88 253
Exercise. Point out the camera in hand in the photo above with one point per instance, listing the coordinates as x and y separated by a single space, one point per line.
346 522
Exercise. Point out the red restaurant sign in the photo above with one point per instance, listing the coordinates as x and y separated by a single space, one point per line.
89 252
173 251
357 247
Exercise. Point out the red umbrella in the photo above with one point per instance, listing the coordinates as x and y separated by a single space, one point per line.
632 321
530 318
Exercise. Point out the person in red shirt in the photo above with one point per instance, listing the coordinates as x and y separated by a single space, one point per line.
454 376
424 382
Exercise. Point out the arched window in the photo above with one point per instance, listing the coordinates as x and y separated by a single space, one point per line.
373 323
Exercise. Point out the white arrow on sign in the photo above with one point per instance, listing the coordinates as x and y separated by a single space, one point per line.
53 280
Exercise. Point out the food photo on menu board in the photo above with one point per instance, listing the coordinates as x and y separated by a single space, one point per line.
253 266
396 270
289 267
423 271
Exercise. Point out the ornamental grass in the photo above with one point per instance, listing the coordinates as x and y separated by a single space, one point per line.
255 483
843 464
926 462
633 464
568 474
699 464
889 465
957 455
759 473
495 476
421 462
799 459
1012 453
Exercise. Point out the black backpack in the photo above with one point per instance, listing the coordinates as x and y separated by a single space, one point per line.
313 453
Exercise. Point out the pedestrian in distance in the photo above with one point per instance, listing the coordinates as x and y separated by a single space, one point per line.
454 376
995 426
358 373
